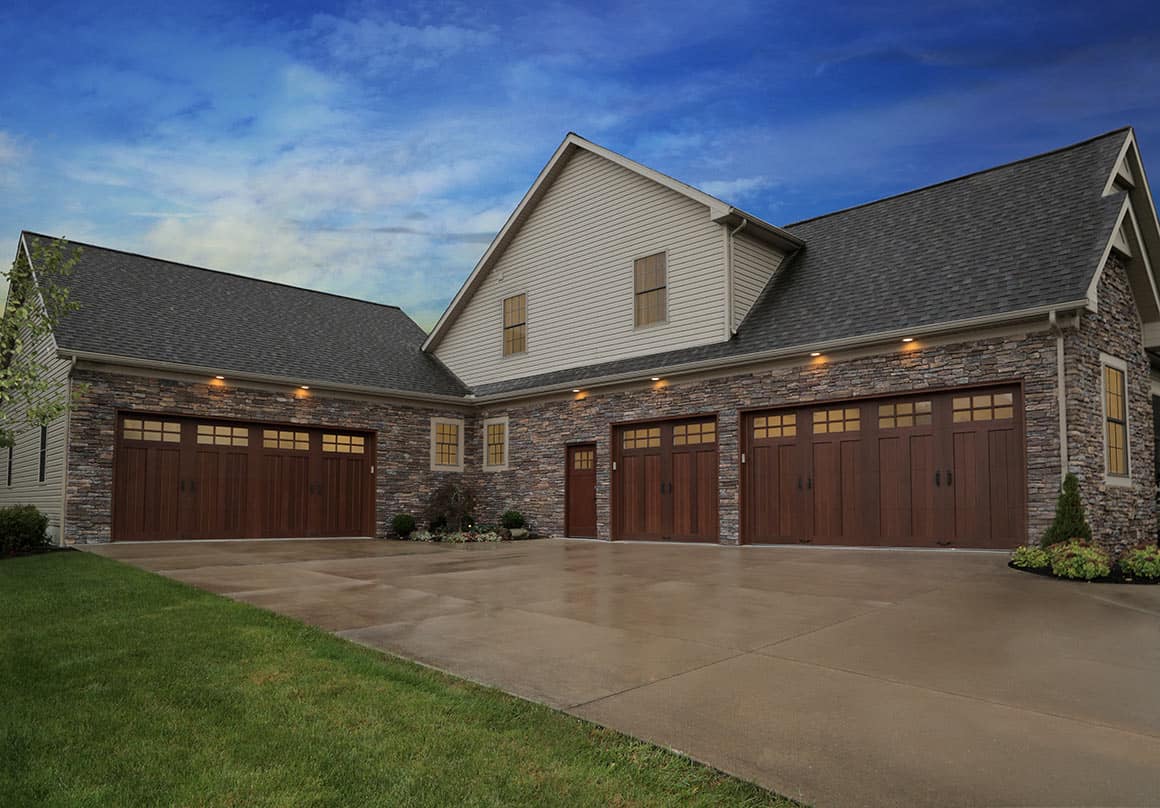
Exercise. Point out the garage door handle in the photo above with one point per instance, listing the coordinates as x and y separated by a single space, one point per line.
936 479
799 483
948 476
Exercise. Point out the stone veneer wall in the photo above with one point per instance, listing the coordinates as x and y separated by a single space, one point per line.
539 431
1120 515
403 474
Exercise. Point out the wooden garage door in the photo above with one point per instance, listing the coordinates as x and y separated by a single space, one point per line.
182 478
665 481
924 470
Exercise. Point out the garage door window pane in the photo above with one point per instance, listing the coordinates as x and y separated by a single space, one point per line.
343 444
143 429
904 414
836 421
983 407
583 459
217 435
645 438
775 426
694 434
282 439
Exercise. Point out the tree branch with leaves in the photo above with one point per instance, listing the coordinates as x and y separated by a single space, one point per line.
38 298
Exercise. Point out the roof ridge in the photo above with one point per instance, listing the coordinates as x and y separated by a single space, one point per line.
961 177
217 271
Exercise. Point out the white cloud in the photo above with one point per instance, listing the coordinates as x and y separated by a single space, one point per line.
380 44
734 189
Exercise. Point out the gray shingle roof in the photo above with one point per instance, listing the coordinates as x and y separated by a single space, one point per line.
1019 236
155 310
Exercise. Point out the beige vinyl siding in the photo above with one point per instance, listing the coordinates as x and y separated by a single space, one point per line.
754 263
573 257
26 488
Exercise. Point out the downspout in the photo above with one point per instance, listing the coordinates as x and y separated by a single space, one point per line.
1061 393
729 304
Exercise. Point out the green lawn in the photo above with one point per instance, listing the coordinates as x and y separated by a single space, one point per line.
118 687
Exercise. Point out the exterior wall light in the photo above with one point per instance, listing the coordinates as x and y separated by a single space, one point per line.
220 378
815 354
575 389
908 339
654 378
304 387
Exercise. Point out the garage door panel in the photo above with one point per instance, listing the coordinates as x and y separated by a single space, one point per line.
666 481
921 469
180 478
894 488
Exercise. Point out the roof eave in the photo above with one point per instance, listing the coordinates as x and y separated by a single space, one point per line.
759 357
313 384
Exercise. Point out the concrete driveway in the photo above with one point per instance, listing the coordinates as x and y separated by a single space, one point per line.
837 677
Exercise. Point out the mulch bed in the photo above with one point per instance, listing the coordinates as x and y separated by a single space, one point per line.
1117 577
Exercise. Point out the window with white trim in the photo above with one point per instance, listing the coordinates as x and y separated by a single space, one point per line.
447 444
495 444
1115 400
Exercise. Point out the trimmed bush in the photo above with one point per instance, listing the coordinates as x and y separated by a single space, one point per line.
512 520
1080 561
1030 558
1141 562
403 524
23 529
1070 521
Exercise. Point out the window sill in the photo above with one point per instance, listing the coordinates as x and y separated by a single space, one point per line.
495 468
1117 482
447 468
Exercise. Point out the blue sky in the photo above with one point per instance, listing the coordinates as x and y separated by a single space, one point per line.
374 149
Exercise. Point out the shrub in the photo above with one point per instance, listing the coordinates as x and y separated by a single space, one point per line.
1030 558
450 507
23 529
1070 521
422 535
403 524
1079 560
1141 562
512 520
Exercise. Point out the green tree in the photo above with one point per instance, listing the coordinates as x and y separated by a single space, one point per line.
1070 520
37 300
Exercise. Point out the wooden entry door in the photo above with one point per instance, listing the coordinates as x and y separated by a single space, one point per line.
665 481
182 478
580 491
924 470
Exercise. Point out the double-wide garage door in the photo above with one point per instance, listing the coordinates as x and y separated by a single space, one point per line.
183 478
920 470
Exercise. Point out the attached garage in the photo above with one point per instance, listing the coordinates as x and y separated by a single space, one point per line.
186 478
665 481
925 470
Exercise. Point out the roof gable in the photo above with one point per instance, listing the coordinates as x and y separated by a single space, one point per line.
718 211
153 311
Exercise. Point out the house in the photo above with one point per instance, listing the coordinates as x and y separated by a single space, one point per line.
635 359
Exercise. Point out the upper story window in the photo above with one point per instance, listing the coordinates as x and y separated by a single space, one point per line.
447 444
1115 418
650 285
515 324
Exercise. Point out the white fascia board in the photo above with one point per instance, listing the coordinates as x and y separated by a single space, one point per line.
36 284
1127 216
1093 303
